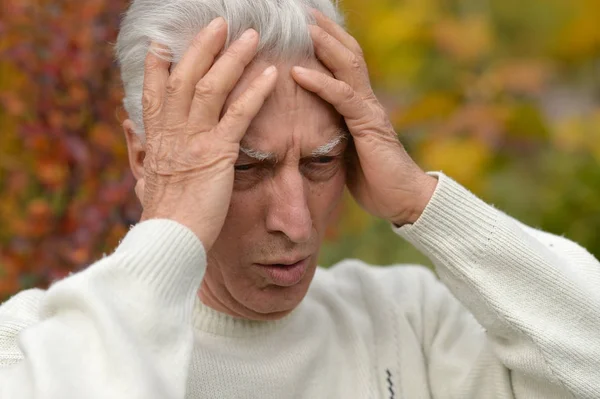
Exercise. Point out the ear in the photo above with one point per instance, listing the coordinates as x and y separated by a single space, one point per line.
135 148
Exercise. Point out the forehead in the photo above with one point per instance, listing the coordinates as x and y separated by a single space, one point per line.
291 116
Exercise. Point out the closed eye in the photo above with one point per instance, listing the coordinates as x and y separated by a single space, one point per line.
322 160
243 168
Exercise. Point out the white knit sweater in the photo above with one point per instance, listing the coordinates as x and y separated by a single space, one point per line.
131 326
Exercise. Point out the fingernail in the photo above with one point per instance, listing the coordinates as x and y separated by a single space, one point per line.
299 70
248 35
216 23
269 70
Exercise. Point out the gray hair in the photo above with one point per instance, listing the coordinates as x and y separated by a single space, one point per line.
282 25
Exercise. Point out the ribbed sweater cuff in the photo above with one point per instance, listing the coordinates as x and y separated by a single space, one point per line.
455 223
165 255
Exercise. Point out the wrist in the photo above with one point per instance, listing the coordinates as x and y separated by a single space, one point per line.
425 188
205 235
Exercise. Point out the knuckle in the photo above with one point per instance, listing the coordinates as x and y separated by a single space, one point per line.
152 158
347 91
175 84
205 88
323 35
150 104
234 51
237 110
150 151
355 64
197 148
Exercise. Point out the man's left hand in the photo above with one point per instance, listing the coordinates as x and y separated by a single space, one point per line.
383 179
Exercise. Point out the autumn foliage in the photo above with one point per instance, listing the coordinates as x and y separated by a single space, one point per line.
502 95
65 186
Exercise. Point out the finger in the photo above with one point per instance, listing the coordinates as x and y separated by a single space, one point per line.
339 94
194 64
212 90
331 27
343 63
156 73
239 115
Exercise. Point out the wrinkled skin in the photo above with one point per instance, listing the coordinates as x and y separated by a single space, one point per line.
245 211
277 211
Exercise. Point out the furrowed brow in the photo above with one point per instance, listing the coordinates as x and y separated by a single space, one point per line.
327 148
259 155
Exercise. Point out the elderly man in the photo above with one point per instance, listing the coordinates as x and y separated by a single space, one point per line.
241 150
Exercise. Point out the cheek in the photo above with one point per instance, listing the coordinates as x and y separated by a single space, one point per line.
325 197
244 213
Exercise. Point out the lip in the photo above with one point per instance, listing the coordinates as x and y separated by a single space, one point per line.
285 273
287 261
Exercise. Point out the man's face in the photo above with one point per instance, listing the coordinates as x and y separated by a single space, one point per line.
289 178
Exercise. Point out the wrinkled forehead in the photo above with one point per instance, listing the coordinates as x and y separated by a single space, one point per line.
290 112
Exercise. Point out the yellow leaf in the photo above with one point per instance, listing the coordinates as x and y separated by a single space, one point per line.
467 39
429 108
463 158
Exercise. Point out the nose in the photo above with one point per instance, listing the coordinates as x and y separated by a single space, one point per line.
288 210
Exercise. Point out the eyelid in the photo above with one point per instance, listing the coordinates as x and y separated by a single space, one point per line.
322 157
244 166
330 157
327 156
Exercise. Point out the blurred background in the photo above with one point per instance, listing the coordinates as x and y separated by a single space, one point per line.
502 95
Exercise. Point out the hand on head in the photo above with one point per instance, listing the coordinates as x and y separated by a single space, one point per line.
383 178
190 149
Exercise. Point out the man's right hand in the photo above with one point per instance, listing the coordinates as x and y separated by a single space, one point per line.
190 149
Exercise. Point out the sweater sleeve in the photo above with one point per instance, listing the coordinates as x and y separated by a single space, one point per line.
122 328
534 294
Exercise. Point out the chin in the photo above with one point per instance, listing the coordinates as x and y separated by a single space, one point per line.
273 302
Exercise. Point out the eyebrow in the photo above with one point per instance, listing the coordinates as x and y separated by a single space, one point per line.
317 152
325 149
259 155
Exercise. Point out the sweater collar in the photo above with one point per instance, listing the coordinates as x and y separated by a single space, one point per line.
209 320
